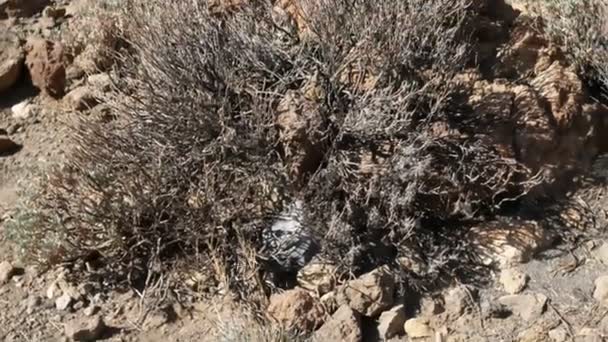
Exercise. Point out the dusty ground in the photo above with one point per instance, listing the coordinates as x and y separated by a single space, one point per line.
29 312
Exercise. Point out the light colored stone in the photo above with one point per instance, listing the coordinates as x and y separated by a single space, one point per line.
101 81
11 62
602 253
417 328
85 328
369 294
7 271
63 302
513 280
600 293
457 300
344 325
22 110
90 310
390 323
559 334
296 309
53 290
527 306
318 277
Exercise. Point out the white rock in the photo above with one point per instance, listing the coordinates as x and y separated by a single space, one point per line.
513 280
22 110
527 306
390 323
418 328
63 302
85 328
602 253
558 334
601 290
7 271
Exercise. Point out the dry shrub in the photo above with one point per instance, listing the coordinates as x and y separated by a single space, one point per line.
193 169
581 28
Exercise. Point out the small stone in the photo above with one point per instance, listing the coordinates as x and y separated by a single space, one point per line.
296 309
85 328
602 253
7 271
54 12
601 290
513 281
527 306
32 303
53 290
390 323
22 110
90 310
63 302
559 334
78 305
417 328
457 300
344 325
370 294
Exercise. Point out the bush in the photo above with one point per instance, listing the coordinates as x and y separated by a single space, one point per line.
581 28
224 120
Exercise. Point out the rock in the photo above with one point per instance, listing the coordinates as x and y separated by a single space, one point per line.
390 323
318 277
600 293
7 271
417 328
85 328
90 310
370 294
296 309
81 98
44 60
11 61
589 335
32 303
22 110
602 253
53 290
54 12
559 334
510 243
101 82
21 8
513 281
527 306
457 300
344 325
63 302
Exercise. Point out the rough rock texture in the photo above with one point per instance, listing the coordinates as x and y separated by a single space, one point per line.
600 293
344 325
296 309
527 306
513 281
7 270
370 294
417 328
44 60
11 61
302 132
21 8
390 323
85 328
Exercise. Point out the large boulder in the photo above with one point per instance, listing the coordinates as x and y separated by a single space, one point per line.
45 62
344 325
11 61
369 294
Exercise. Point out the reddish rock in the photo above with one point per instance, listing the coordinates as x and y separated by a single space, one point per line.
296 309
44 60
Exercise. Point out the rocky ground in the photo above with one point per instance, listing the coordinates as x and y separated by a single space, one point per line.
544 288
